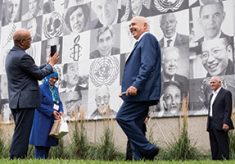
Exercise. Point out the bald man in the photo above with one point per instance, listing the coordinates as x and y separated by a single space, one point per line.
219 119
23 89
141 87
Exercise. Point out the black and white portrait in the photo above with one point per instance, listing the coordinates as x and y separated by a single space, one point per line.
216 58
211 21
31 9
11 11
77 18
106 41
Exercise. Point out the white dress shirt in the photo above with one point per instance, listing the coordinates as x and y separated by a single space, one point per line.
215 93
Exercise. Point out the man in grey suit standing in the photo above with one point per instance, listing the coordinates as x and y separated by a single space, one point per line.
23 89
219 119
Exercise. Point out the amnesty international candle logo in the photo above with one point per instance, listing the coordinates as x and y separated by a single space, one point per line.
104 71
53 25
165 5
76 49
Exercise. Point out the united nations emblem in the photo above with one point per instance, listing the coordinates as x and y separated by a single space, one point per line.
165 5
53 25
104 71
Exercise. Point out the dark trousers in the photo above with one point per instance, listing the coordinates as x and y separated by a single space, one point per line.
23 119
41 152
129 154
130 117
219 144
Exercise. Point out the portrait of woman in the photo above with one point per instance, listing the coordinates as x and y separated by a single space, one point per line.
77 18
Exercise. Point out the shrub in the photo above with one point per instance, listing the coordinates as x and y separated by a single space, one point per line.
106 149
80 144
232 144
182 149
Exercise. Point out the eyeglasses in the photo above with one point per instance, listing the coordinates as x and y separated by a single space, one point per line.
215 52
99 99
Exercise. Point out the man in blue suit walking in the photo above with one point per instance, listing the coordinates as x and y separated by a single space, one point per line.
141 87
23 89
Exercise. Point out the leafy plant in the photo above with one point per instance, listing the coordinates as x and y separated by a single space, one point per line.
182 149
80 143
106 150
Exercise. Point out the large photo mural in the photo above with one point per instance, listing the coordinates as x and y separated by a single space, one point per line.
93 40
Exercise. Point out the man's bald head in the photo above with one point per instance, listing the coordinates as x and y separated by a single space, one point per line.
20 36
138 26
141 20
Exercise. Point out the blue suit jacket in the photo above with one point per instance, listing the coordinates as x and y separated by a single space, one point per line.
23 76
43 119
143 70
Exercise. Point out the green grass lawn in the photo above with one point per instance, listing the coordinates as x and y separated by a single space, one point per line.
58 161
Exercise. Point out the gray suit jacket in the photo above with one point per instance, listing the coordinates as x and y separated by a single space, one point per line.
22 75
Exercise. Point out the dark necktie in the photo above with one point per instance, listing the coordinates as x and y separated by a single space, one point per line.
168 42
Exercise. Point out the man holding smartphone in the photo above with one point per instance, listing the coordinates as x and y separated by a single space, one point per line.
24 95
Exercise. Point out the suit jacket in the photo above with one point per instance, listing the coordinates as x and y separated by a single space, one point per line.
43 119
222 109
23 76
179 40
143 70
96 53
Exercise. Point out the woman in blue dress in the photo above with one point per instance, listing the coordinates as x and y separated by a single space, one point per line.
50 109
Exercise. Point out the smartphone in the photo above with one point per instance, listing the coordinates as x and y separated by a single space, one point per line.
53 50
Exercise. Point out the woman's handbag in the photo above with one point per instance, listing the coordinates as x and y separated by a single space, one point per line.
59 128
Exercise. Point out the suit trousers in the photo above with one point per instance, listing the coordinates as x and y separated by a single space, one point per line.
23 119
219 144
41 152
130 117
129 153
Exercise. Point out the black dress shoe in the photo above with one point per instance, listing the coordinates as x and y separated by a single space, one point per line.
152 154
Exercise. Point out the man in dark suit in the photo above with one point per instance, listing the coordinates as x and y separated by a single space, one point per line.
105 41
141 87
24 94
219 119
171 38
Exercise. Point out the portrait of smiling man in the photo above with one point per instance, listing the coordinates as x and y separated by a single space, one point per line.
216 57
211 17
